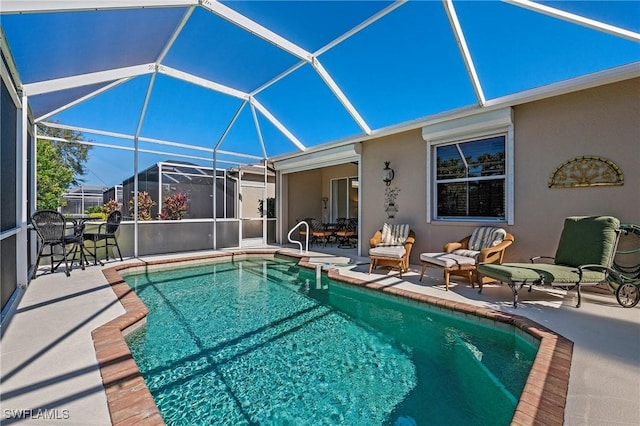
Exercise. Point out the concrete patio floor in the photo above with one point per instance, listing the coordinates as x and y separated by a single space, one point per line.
50 373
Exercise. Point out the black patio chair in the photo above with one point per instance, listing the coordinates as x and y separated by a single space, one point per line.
51 227
319 232
347 233
107 233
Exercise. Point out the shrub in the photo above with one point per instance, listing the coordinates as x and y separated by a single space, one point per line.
145 203
110 206
174 207
94 209
98 216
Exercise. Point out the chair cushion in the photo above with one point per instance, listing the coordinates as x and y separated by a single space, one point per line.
587 240
394 235
473 254
395 252
446 260
485 237
538 272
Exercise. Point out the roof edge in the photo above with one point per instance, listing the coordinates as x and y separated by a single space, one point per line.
600 78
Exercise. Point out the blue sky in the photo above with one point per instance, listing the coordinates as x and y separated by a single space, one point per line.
404 66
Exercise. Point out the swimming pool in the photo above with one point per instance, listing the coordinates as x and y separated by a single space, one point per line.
256 341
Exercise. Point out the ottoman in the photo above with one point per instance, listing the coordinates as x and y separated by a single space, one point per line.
450 263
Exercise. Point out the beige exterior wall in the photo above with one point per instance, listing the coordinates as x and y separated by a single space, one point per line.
406 153
603 121
302 197
251 195
250 200
305 190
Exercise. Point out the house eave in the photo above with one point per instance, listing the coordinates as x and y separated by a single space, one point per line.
612 75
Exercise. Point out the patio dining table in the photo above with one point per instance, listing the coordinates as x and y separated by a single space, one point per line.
76 227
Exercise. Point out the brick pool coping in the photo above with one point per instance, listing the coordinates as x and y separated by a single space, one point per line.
130 402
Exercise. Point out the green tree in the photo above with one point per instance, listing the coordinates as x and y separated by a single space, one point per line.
60 165
53 178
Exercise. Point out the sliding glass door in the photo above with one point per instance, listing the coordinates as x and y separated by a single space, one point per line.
344 198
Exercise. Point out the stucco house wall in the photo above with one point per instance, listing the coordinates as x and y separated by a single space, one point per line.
406 154
252 193
305 190
303 197
602 121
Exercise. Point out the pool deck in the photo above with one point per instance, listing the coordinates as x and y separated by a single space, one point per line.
50 373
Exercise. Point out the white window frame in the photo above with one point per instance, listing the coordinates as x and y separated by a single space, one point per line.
463 129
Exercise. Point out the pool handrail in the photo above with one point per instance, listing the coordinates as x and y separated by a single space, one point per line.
302 222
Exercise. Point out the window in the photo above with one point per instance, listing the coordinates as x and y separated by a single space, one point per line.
470 168
470 179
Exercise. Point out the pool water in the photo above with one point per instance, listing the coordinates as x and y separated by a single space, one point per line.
260 341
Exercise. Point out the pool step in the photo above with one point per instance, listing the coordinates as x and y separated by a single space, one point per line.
468 365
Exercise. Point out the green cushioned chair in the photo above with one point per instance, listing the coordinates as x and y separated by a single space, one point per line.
584 257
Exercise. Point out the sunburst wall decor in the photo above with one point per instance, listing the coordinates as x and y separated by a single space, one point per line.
586 171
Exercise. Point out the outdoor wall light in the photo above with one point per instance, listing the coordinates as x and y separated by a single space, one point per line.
387 173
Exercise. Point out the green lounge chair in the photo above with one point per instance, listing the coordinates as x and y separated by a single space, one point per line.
583 258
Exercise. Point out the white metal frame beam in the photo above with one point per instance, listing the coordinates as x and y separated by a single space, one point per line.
229 126
86 130
175 34
325 76
384 12
576 19
5 74
10 69
257 124
278 77
166 49
82 99
143 139
35 6
464 50
117 76
131 149
253 27
284 44
220 10
322 72
64 83
202 82
278 124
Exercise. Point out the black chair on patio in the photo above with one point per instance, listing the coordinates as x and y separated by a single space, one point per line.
347 233
318 232
51 227
107 233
